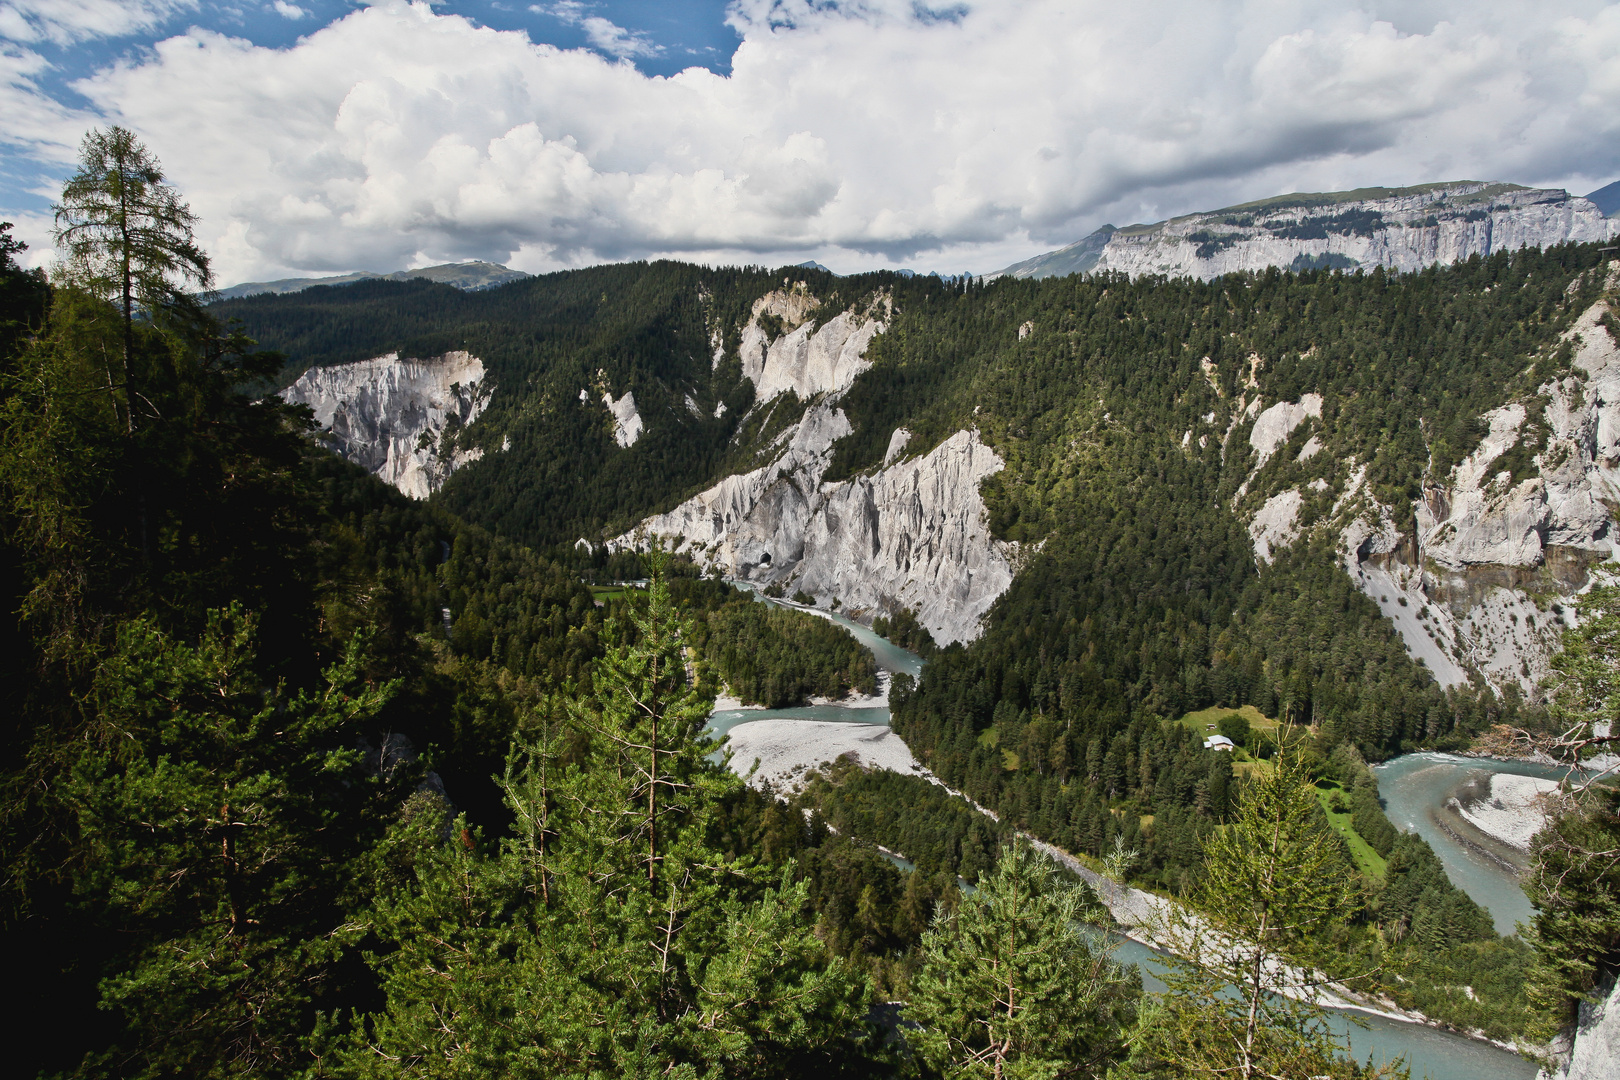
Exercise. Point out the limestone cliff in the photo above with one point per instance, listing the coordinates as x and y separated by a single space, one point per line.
1591 1050
911 535
1399 228
808 359
1474 574
398 418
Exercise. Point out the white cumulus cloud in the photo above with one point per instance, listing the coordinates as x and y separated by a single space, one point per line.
871 132
63 22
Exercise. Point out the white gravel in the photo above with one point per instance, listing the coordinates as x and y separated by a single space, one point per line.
788 749
1515 810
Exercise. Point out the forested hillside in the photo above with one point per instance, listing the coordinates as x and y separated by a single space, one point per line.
307 778
649 329
1123 411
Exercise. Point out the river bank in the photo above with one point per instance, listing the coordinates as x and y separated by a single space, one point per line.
1451 802
789 743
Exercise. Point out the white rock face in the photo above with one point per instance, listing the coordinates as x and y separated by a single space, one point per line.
1404 230
897 444
1276 524
1273 427
388 415
626 421
806 360
912 535
1595 1053
1481 539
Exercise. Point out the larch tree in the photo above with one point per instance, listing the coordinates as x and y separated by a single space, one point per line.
126 236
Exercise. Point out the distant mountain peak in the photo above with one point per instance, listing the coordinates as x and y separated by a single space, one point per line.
1399 228
1607 199
468 276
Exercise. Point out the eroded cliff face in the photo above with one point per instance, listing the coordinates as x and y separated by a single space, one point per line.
1476 574
807 359
398 418
1406 229
911 535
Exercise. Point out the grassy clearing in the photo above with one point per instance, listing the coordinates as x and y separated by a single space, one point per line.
1368 861
1199 722
607 592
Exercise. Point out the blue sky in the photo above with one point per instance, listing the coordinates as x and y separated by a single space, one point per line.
321 136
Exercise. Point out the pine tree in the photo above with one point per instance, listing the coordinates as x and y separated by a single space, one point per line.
218 826
608 935
1012 986
1242 992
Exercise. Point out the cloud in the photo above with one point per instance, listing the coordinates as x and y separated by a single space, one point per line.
616 40
289 11
603 34
870 132
65 22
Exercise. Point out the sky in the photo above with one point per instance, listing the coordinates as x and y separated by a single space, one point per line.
325 136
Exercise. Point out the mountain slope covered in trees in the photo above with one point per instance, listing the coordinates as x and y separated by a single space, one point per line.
310 778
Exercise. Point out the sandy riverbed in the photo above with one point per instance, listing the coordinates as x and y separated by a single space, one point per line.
789 749
1510 809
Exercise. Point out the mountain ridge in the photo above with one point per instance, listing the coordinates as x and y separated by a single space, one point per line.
1398 228
467 276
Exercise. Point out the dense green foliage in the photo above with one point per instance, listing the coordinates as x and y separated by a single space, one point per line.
1574 878
609 933
307 777
773 656
1012 986
904 630
1270 888
1575 886
937 831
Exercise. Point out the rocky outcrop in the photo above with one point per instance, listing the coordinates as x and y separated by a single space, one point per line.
911 535
1474 579
1273 426
1591 1051
1399 228
807 359
1276 524
1474 573
398 418
626 420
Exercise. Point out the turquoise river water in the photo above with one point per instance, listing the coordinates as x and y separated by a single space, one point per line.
1411 786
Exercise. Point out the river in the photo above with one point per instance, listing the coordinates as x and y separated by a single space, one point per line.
1415 787
1404 783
